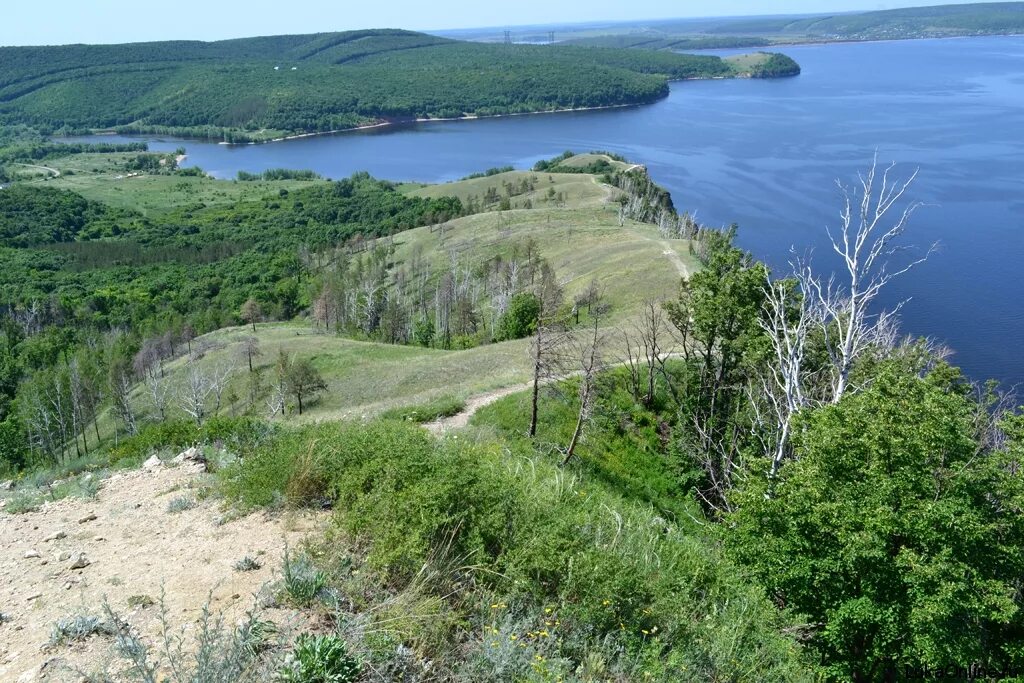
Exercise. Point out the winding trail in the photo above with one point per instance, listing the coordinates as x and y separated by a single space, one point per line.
673 256
473 405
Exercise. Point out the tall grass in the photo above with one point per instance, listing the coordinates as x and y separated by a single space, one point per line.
632 592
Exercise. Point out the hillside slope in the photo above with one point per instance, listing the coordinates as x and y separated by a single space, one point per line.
941 21
259 88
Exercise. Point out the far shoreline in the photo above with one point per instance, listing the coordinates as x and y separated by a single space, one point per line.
403 122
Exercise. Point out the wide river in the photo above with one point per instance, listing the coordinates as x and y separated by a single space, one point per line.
766 155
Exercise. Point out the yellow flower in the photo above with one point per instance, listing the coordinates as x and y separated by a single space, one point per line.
513 637
547 610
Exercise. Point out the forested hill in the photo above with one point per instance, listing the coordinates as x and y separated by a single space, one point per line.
940 21
260 88
911 22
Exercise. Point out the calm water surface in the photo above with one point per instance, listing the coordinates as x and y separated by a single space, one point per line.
766 154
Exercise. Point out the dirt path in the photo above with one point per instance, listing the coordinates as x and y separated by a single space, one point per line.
673 256
53 171
474 404
132 546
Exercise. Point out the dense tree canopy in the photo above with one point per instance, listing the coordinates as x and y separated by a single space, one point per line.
235 89
896 536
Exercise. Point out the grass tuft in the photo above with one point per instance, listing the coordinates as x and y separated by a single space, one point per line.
80 627
247 564
181 504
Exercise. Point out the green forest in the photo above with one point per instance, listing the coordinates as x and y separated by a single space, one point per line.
941 21
262 88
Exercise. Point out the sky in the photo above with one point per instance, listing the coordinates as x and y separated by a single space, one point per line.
51 22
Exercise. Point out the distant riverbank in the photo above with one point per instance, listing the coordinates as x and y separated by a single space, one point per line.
406 121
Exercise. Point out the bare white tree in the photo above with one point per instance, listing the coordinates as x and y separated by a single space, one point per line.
874 217
194 392
120 393
219 377
276 401
587 352
159 390
786 321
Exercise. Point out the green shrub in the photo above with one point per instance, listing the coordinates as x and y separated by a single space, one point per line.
622 579
320 659
303 582
520 320
22 502
239 433
444 406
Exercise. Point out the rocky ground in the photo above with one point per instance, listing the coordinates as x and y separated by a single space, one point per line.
145 534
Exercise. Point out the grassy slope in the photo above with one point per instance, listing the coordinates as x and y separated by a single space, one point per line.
582 240
102 178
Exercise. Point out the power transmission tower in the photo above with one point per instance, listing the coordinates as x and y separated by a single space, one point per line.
551 37
508 37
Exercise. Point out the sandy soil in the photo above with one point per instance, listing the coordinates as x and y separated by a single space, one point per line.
132 545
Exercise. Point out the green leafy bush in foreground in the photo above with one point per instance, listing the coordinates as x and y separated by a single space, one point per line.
320 659
637 592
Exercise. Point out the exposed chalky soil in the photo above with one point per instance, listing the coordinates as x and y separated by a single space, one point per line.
70 555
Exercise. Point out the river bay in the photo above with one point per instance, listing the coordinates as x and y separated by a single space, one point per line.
766 155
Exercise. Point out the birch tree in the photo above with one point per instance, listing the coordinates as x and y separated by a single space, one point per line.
786 321
874 217
589 365
194 392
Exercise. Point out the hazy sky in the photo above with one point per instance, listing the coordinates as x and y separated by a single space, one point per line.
48 22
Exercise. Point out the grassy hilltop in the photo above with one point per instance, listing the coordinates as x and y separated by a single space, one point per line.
572 219
263 88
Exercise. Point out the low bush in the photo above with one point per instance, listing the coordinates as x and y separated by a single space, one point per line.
218 654
237 433
622 580
247 564
444 406
303 582
80 627
181 504
320 659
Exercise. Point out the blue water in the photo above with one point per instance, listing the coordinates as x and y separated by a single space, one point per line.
766 154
